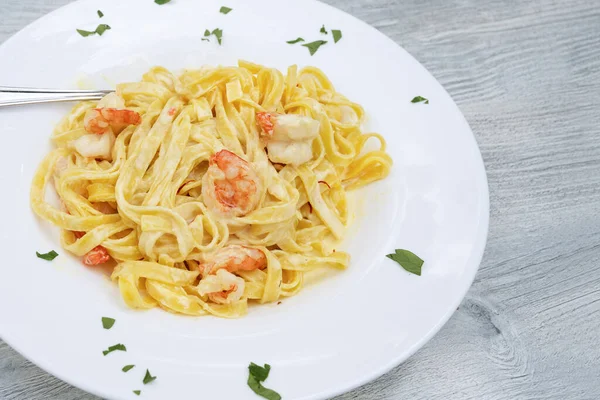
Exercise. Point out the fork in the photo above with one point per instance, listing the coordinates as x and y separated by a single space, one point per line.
10 96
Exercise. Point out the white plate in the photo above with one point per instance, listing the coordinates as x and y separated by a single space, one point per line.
332 337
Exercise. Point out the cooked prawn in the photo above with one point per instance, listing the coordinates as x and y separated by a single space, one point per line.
100 120
230 186
266 122
98 255
234 258
223 287
219 281
289 137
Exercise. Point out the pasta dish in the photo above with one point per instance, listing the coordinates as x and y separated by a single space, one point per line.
211 189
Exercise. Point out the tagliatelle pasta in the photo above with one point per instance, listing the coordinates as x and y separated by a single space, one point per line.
211 189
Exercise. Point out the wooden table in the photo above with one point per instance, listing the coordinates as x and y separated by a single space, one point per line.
526 74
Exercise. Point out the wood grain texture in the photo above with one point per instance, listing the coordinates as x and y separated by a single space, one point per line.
526 74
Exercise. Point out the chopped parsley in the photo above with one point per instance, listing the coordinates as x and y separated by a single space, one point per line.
323 30
85 33
148 378
256 376
314 46
337 35
295 41
127 367
161 2
107 323
100 29
137 392
116 347
225 10
100 13
419 99
49 256
407 260
218 34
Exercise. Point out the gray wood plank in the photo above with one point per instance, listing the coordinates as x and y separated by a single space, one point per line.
527 77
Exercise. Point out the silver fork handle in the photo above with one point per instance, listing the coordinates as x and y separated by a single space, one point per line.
10 96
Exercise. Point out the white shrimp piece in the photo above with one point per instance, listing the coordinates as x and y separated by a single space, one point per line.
111 100
230 186
348 116
222 287
234 258
289 137
95 146
110 115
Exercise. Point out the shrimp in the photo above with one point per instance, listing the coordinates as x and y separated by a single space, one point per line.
230 186
222 288
219 281
95 146
98 255
289 137
234 258
101 120
110 117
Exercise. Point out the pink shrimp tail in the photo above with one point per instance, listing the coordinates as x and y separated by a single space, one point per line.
265 121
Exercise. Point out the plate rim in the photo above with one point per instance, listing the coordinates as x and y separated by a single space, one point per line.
476 256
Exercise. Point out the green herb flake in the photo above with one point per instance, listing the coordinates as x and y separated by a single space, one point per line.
205 39
102 28
218 34
419 99
49 256
161 2
323 30
206 32
260 373
407 260
85 33
99 30
148 378
100 13
137 392
107 322
337 35
116 347
225 10
127 367
314 46
256 376
295 41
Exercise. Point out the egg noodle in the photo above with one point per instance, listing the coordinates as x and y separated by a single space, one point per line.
188 233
